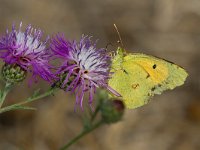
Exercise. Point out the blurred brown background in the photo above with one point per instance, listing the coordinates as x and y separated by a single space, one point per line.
165 28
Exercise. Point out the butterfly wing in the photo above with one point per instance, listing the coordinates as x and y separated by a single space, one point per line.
141 76
164 74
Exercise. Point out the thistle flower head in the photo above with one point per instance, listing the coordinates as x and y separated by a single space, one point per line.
84 67
26 50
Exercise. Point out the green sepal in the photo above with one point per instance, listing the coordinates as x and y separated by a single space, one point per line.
13 73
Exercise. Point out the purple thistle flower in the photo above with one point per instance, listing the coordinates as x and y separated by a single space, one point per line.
84 67
26 50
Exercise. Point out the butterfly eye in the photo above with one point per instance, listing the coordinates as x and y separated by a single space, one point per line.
154 66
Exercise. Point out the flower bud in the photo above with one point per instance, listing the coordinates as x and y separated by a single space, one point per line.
112 111
13 73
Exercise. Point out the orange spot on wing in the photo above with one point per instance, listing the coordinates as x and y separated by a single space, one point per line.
135 86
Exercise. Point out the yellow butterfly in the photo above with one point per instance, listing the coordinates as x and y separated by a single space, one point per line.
137 77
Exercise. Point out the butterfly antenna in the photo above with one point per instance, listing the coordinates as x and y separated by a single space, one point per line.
120 39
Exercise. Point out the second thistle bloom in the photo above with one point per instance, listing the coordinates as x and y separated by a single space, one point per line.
84 67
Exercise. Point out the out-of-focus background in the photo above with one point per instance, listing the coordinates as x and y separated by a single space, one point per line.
165 28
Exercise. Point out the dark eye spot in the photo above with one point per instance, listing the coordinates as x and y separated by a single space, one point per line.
154 66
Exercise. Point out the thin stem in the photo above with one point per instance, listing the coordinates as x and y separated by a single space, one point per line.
83 133
95 113
49 92
18 105
4 92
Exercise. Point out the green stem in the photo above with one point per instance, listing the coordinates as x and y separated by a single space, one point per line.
83 133
95 113
18 105
49 92
4 92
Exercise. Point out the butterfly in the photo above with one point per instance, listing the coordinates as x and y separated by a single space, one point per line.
137 77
